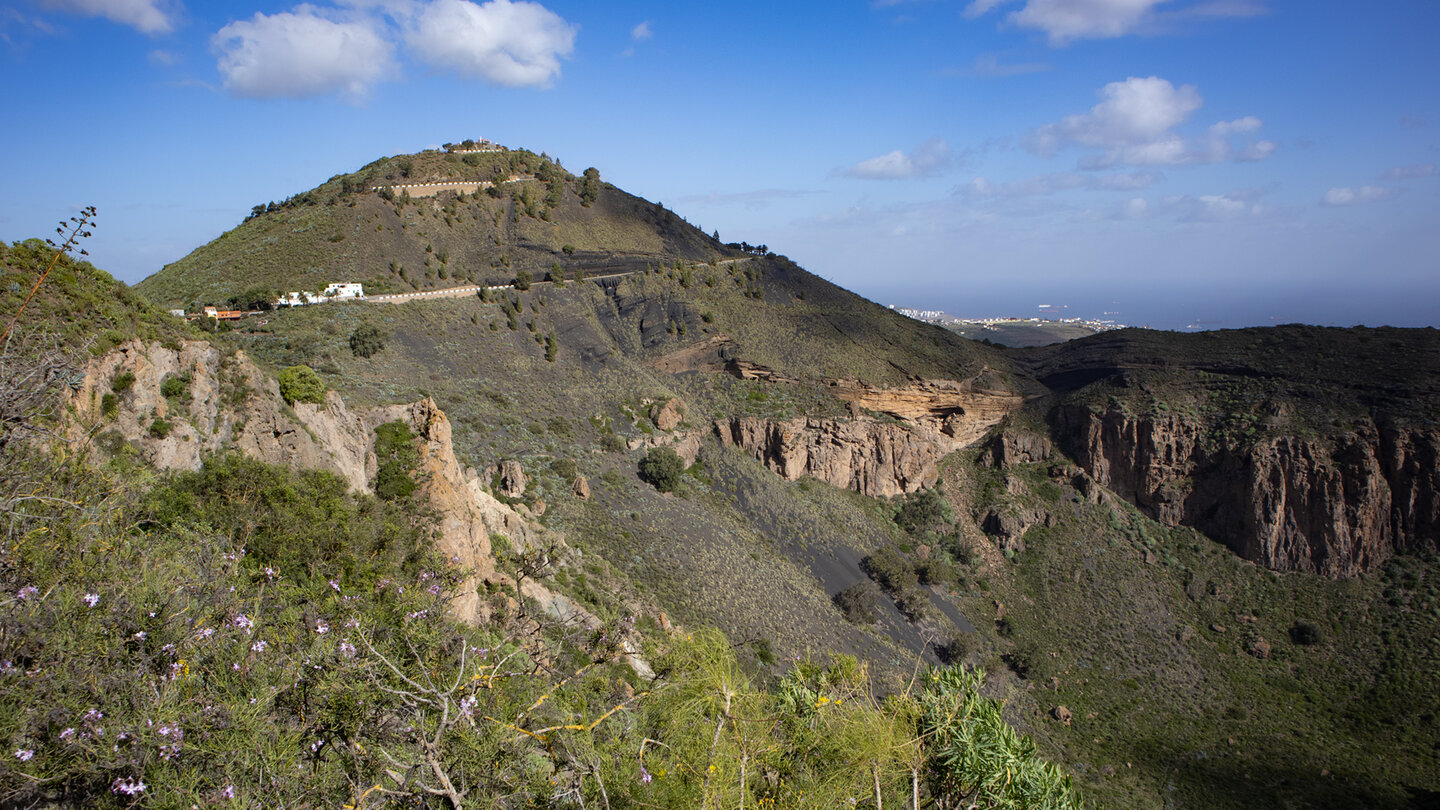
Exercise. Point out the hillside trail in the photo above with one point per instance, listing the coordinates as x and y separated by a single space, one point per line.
472 289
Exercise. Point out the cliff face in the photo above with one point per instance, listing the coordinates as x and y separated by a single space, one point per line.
1338 505
872 458
875 458
230 402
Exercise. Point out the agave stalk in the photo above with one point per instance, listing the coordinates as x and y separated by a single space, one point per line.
78 230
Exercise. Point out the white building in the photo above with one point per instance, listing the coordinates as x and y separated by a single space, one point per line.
336 291
344 289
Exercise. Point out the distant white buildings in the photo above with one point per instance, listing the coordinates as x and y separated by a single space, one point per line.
336 291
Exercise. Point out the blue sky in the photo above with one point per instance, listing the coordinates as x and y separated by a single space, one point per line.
1225 162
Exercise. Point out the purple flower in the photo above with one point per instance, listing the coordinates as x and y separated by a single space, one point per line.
91 599
321 627
244 622
269 572
28 592
467 705
67 734
335 586
644 774
347 649
205 632
259 646
127 786
228 792
24 754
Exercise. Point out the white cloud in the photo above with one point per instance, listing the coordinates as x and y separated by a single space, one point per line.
1135 112
1066 20
513 44
146 16
641 32
1134 208
927 159
988 66
163 58
751 200
1212 207
1336 197
300 54
1134 125
1410 172
1224 129
1047 184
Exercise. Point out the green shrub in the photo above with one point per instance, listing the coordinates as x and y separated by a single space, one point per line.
174 386
122 382
1305 634
661 468
110 405
924 511
366 341
565 469
396 457
857 603
160 427
301 384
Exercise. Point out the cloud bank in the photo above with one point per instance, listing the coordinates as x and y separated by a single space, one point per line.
500 42
1134 125
1337 197
146 16
926 160
314 51
1063 21
301 54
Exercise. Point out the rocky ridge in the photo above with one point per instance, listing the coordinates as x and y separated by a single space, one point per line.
229 402
872 456
1337 505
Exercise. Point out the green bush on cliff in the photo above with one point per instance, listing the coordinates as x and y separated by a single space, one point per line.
396 457
301 384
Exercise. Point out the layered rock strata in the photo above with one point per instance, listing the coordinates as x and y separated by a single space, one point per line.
1337 505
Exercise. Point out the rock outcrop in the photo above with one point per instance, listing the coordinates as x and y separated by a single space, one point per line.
1336 505
874 457
467 513
667 414
953 408
227 401
880 459
230 402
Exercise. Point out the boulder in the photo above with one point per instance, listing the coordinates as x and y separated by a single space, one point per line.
512 479
667 415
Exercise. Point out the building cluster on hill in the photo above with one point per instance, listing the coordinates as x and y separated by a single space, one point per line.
940 318
482 145
336 291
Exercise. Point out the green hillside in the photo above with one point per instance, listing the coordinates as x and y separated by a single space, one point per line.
531 217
